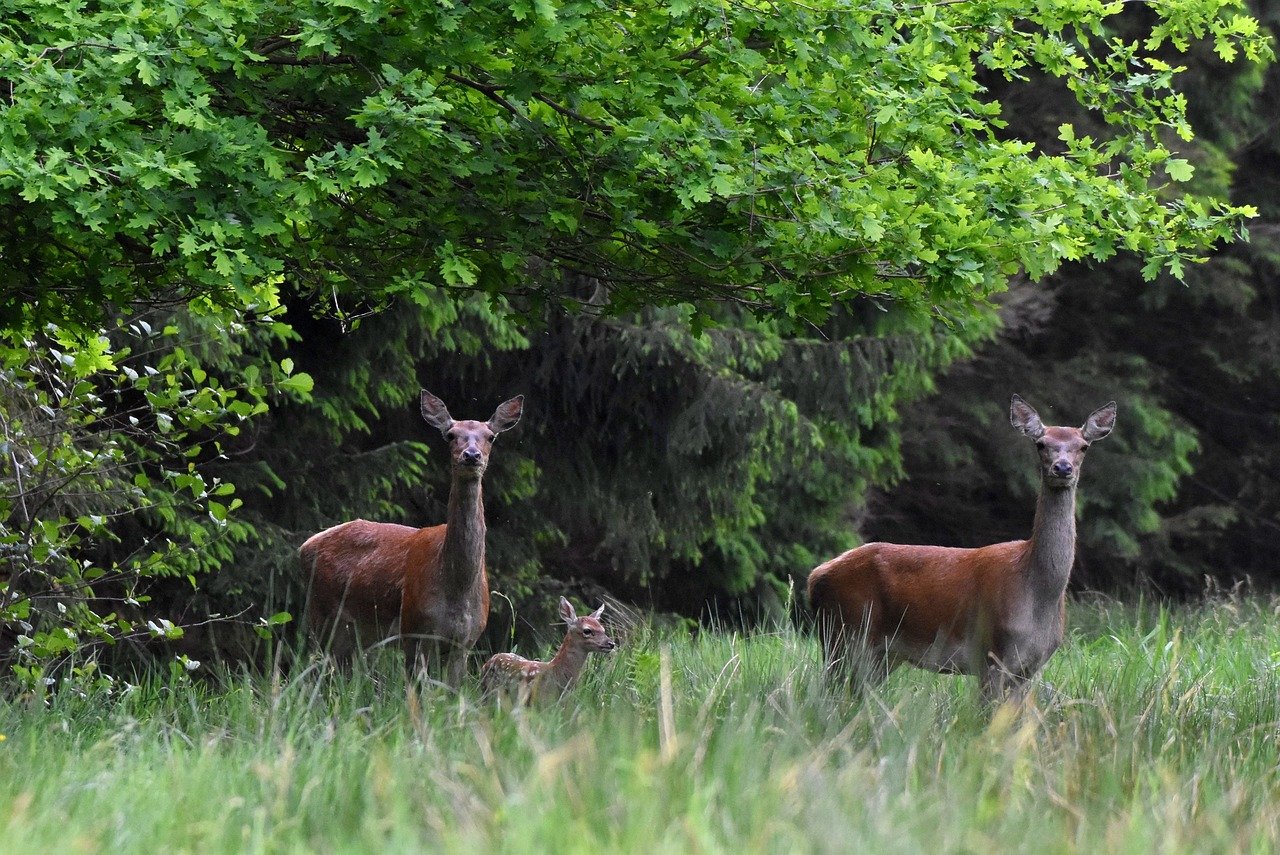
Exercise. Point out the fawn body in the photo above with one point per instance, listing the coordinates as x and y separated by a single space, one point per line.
996 611
533 678
373 581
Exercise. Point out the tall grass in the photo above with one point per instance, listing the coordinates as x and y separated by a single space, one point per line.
1159 733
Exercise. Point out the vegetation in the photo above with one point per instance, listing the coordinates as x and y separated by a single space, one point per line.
1186 491
728 250
720 246
103 491
1156 736
783 156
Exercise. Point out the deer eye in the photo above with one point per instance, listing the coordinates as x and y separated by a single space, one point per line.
588 631
1039 443
1084 447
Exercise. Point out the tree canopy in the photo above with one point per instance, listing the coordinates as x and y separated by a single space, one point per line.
782 155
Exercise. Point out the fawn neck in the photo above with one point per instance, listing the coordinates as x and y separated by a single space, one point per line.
1053 541
565 666
462 556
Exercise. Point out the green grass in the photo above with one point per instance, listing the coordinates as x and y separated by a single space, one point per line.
1159 735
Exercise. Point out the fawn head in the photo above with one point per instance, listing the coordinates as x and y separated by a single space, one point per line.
1061 449
586 632
470 441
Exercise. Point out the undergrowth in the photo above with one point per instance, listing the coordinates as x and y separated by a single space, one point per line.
1153 729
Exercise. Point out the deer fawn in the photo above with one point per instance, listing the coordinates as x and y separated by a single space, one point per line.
531 677
367 577
996 611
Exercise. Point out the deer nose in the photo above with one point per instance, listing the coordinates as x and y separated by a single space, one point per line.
610 644
1062 469
471 456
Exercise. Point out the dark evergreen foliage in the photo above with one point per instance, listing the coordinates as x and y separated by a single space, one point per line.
670 468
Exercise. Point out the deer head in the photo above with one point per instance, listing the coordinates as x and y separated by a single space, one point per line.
586 633
470 441
1061 449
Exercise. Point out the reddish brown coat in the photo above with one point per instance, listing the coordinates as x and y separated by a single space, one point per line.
918 593
532 678
358 570
997 611
370 581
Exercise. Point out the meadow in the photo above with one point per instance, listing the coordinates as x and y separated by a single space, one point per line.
1154 730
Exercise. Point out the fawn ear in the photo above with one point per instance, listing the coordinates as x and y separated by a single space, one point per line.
567 614
1024 417
435 412
507 414
1100 422
596 614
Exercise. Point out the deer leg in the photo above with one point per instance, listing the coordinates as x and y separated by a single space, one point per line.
871 666
1000 686
869 654
1008 676
421 656
412 655
455 665
995 683
434 658
343 649
338 640
838 650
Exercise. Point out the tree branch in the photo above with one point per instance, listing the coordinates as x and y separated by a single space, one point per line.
565 111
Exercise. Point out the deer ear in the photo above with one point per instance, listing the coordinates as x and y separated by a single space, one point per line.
1100 422
507 414
1024 417
596 614
567 614
435 412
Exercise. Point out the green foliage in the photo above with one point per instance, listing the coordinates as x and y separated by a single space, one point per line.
647 459
832 191
105 444
655 462
696 467
786 156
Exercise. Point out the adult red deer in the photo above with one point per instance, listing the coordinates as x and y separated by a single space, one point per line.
996 611
368 577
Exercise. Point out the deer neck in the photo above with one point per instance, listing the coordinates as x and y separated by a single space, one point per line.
462 556
565 666
1053 542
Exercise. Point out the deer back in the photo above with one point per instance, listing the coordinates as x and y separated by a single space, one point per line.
359 570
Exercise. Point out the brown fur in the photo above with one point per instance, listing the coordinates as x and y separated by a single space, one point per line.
357 572
532 678
367 577
996 611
